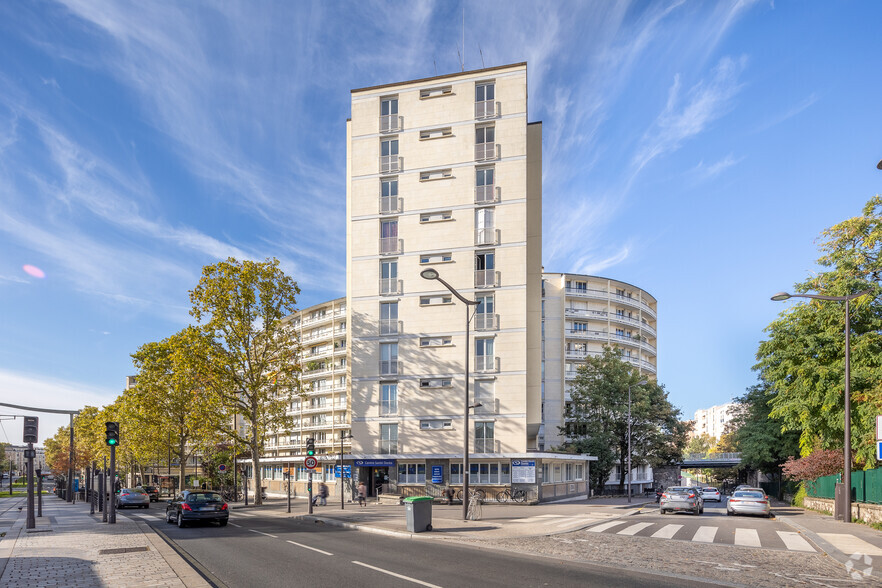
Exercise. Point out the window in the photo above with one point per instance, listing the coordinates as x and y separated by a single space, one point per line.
389 156
388 318
580 327
388 439
487 473
436 92
484 395
485 138
431 425
411 473
437 258
388 359
485 269
435 133
484 185
484 442
485 319
389 236
436 174
434 341
485 232
440 299
432 217
456 473
484 358
388 398
389 195
389 277
485 94
436 383
389 114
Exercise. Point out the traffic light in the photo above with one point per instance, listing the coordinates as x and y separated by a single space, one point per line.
310 446
30 429
112 434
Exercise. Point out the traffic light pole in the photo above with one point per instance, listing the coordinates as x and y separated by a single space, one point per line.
309 488
39 492
112 505
103 503
31 523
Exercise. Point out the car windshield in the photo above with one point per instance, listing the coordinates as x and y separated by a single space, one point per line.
749 494
709 490
679 490
204 497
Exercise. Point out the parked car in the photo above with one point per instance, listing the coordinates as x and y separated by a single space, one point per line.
752 501
152 492
135 497
197 505
742 487
681 498
711 493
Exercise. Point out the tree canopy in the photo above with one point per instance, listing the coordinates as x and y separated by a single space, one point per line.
803 359
760 437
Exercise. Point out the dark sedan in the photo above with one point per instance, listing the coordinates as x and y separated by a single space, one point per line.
197 505
134 497
152 492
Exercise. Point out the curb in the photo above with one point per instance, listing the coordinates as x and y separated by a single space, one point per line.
827 548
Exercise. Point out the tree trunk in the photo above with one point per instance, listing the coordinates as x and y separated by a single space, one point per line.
255 465
182 462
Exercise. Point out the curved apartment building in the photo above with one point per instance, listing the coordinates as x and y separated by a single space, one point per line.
581 315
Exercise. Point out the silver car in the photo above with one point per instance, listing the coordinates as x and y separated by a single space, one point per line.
681 498
749 502
135 497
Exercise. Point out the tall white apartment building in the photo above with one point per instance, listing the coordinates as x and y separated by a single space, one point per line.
713 420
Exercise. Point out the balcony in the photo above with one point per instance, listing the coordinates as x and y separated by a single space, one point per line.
487 194
486 278
486 363
388 408
486 109
390 367
391 246
390 286
390 204
486 321
486 151
390 326
486 236
606 295
490 445
390 123
390 164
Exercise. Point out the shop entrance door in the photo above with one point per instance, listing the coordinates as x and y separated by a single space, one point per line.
379 480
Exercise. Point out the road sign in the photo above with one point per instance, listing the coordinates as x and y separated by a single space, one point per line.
221 468
310 463
347 471
879 450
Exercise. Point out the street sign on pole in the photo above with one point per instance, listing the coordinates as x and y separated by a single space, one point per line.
222 468
310 463
879 450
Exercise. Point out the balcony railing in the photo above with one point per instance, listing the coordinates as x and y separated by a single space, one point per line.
486 151
390 164
389 286
486 278
486 363
486 236
486 109
490 445
390 326
487 194
391 246
387 447
485 321
390 204
390 123
389 367
388 408
606 295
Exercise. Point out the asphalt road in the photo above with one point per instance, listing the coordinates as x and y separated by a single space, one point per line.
258 549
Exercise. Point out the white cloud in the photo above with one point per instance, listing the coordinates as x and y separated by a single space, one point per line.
703 172
789 113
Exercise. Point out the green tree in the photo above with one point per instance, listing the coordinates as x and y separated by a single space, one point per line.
700 444
252 357
597 418
803 359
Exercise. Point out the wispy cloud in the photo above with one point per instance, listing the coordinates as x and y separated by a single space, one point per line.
787 114
704 171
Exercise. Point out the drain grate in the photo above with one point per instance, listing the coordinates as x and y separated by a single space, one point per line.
122 550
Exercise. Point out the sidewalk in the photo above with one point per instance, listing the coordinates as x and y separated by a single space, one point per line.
70 547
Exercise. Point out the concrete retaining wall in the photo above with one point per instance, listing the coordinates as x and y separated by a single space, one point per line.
871 513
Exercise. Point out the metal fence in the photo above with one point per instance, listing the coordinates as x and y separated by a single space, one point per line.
866 486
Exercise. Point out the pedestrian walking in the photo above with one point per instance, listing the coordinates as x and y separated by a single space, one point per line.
323 494
362 494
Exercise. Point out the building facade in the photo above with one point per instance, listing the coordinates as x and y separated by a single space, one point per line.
712 421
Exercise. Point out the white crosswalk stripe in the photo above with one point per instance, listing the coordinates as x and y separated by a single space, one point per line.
849 544
604 526
794 541
747 537
667 531
705 534
634 529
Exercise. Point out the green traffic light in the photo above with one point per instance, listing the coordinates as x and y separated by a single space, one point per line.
112 441
310 453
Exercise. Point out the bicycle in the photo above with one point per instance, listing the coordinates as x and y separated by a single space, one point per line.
508 494
474 511
479 492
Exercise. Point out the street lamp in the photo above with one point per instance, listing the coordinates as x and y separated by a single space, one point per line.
846 477
640 383
432 274
343 436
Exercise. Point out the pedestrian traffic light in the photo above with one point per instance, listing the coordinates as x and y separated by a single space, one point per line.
112 434
30 429
310 446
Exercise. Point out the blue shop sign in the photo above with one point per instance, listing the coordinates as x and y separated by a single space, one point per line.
437 474
374 462
347 471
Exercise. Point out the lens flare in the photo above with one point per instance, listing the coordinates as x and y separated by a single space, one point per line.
33 271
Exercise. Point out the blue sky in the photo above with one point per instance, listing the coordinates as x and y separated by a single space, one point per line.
694 149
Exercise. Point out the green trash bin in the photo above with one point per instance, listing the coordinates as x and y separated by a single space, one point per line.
419 513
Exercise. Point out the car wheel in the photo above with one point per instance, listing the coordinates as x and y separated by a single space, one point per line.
729 513
181 523
662 511
222 522
168 517
696 512
701 510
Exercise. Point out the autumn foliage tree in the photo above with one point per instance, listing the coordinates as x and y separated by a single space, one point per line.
823 462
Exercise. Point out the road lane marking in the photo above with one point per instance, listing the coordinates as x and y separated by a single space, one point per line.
850 544
414 580
634 529
667 531
262 533
604 526
235 525
308 547
747 537
571 521
794 541
243 514
705 534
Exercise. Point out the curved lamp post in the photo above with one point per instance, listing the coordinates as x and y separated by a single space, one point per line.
640 383
846 472
432 274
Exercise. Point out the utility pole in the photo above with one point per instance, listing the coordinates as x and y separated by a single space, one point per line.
39 492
